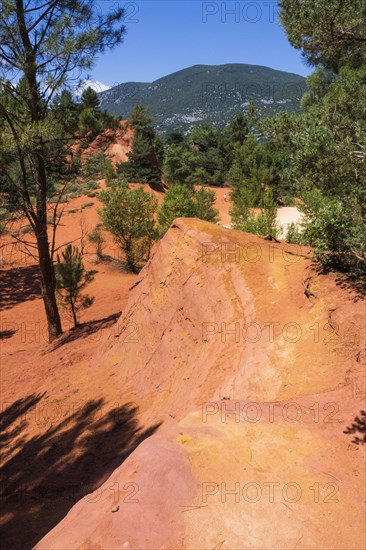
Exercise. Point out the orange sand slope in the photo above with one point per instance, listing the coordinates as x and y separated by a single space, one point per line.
244 386
114 143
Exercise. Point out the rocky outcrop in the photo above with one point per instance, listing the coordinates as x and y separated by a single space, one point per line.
250 362
114 143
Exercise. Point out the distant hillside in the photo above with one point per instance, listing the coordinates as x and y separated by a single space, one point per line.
213 93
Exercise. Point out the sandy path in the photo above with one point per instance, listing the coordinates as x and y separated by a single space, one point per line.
287 215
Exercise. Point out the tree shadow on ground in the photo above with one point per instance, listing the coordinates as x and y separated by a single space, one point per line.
353 283
358 427
18 285
86 329
5 334
43 476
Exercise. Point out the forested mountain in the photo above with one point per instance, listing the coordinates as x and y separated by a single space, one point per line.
210 93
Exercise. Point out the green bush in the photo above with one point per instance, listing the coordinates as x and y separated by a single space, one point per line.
129 216
62 200
25 229
252 166
4 214
96 237
182 202
77 189
109 173
71 279
289 200
335 231
92 185
178 203
294 234
4 218
239 211
89 122
204 205
264 223
95 165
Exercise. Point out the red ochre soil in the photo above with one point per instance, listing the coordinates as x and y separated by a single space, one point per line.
201 404
114 143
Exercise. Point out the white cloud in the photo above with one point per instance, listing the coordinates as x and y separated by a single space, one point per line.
94 84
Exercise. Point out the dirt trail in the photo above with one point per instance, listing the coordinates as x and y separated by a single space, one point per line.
220 375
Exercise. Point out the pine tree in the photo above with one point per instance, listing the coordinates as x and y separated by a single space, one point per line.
263 223
90 100
89 122
204 205
183 202
178 203
205 143
91 118
71 279
129 216
238 130
327 142
66 111
330 33
43 44
248 170
179 164
174 138
143 165
141 122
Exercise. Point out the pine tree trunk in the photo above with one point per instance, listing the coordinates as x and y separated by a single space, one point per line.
48 287
48 279
74 314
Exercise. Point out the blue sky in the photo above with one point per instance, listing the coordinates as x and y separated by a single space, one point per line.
166 36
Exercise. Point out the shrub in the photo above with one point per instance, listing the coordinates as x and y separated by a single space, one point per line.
178 203
4 214
109 173
289 200
335 231
25 229
204 205
239 212
52 218
95 165
71 279
96 237
294 234
5 217
182 202
129 216
89 122
261 224
62 200
92 185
